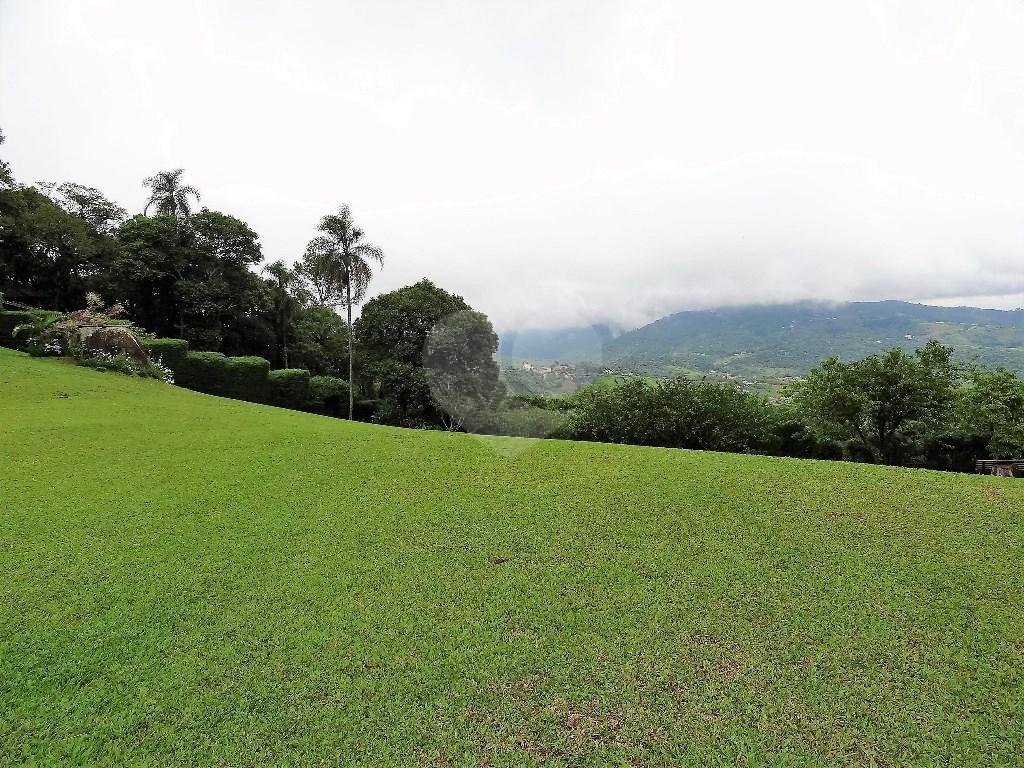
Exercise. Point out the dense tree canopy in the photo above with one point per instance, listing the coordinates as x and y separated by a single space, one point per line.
47 255
395 325
674 413
461 372
421 345
991 406
882 402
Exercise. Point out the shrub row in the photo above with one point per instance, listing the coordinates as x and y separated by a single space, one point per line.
289 388
169 352
250 378
329 395
243 378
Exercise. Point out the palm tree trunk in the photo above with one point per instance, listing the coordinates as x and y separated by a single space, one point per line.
348 308
284 333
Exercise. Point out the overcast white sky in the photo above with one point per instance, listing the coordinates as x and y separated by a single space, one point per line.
561 163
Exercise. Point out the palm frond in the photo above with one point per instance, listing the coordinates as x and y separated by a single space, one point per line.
368 251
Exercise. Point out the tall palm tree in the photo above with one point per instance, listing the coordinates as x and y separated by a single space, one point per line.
284 279
342 259
167 193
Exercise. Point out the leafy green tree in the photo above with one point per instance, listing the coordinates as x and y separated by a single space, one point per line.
223 295
991 406
194 282
321 341
883 403
396 325
461 370
673 413
47 255
90 205
406 400
391 336
283 281
6 177
168 196
145 274
338 265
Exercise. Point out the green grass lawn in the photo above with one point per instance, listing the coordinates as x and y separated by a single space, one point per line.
196 581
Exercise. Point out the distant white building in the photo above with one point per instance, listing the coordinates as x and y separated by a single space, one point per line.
528 366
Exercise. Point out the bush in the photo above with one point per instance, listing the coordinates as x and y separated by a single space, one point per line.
329 395
243 378
289 388
11 320
202 371
673 413
529 421
169 352
128 365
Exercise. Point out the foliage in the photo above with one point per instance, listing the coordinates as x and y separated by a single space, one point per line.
283 282
6 177
9 320
244 378
84 332
403 396
321 341
88 204
344 259
319 271
391 336
168 352
460 369
337 267
127 365
47 255
194 283
327 394
183 575
672 413
168 196
530 421
289 388
991 406
395 325
883 404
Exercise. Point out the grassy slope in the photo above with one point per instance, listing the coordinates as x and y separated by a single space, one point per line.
193 580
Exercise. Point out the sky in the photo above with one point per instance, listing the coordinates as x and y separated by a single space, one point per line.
560 163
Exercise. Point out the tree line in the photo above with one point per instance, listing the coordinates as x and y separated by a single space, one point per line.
178 270
921 410
420 356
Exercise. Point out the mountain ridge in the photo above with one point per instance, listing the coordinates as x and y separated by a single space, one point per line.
770 341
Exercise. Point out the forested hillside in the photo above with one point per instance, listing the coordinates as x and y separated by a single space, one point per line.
789 339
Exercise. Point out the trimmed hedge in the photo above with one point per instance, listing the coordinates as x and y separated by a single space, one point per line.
170 352
289 388
243 378
8 322
329 394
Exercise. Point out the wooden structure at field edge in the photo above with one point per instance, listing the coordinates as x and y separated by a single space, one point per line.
1000 467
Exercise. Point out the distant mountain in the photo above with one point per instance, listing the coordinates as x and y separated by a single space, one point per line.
774 341
568 345
771 342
